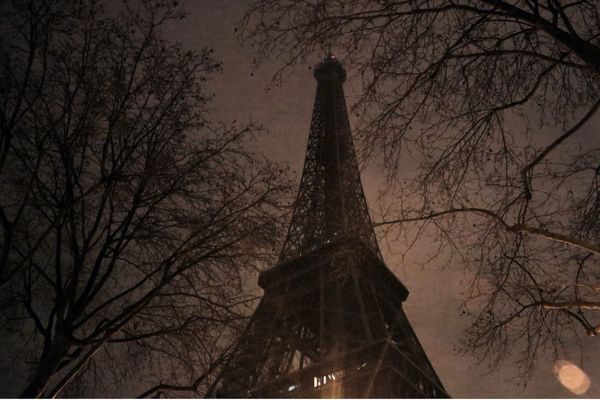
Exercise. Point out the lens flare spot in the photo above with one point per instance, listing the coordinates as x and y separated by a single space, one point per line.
571 377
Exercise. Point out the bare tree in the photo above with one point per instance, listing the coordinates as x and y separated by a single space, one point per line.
496 98
127 216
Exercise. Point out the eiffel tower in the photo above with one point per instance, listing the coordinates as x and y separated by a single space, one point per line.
330 323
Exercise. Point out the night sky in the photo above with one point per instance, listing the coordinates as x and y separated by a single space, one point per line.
434 305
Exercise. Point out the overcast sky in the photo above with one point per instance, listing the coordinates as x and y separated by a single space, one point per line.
434 305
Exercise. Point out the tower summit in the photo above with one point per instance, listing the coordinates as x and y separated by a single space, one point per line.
330 323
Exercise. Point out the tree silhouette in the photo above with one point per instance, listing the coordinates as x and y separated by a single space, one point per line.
127 216
496 99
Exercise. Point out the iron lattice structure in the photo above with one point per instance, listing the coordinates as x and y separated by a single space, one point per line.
330 202
330 323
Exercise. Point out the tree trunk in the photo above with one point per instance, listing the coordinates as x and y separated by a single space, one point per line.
44 373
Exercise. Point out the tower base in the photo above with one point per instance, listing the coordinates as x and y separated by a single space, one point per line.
378 370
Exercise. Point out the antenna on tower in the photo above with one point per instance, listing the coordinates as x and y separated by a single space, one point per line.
329 55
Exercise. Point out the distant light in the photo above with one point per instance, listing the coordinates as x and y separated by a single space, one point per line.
292 388
571 377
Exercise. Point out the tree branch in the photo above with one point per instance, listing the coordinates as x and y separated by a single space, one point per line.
516 228
525 172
